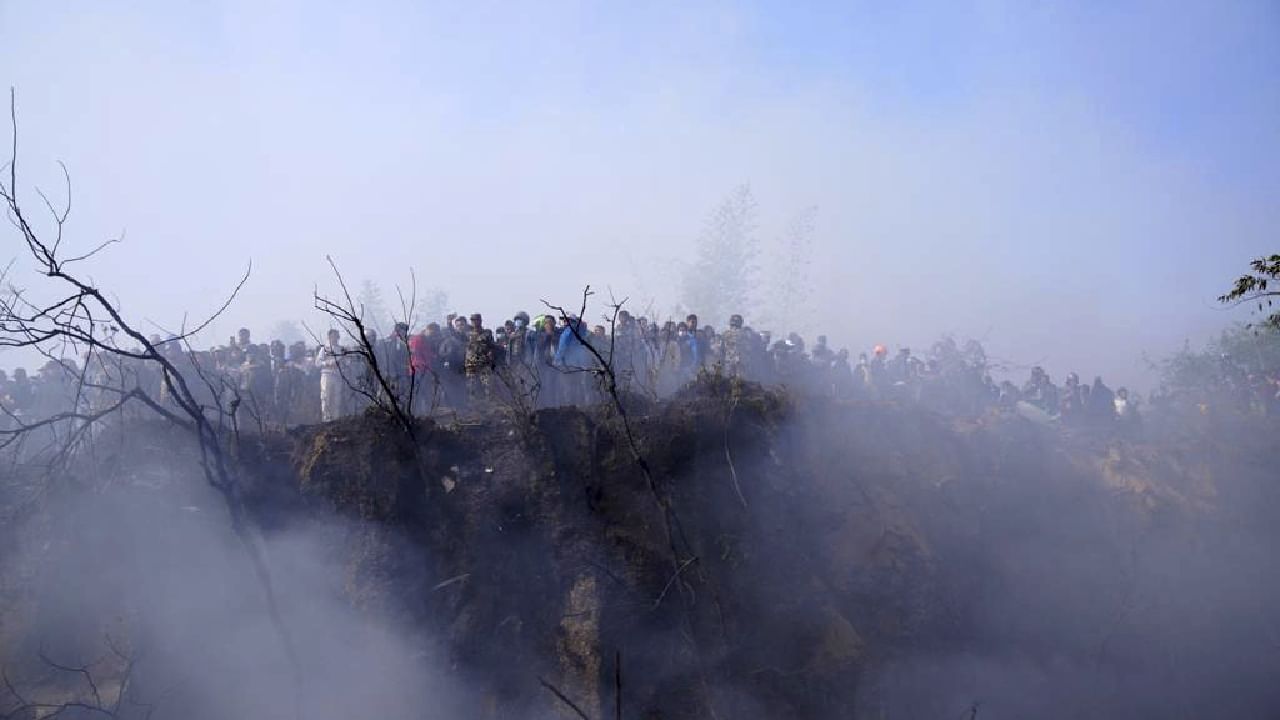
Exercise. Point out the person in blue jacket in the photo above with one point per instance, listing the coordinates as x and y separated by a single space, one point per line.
576 360
572 353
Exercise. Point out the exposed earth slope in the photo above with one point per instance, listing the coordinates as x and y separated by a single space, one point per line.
755 555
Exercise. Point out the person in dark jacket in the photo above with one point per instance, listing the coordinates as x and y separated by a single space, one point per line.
453 354
1102 402
544 343
396 355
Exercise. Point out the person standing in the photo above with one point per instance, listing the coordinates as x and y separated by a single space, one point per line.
480 361
452 356
422 359
576 361
332 386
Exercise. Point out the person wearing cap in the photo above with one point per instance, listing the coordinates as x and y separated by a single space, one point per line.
731 348
518 345
480 361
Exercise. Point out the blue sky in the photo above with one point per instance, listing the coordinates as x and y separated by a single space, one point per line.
1072 182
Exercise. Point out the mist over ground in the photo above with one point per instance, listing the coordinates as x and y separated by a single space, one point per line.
1068 184
144 568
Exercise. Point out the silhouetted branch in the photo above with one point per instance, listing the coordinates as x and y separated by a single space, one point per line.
82 670
728 457
92 705
348 316
85 318
564 699
674 576
8 436
1257 286
617 685
673 528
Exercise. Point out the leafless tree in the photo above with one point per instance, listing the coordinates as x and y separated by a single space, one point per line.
67 317
790 273
379 387
519 385
681 550
723 276
93 699
602 368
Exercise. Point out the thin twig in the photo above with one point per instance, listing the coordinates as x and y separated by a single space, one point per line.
667 588
733 471
617 685
564 699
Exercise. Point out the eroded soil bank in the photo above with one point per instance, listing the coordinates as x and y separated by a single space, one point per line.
754 555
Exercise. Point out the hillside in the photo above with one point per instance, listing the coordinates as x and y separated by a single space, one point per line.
757 555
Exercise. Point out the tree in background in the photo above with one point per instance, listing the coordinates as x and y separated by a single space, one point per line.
432 307
723 277
372 308
287 332
791 298
1237 371
1262 286
1238 350
412 307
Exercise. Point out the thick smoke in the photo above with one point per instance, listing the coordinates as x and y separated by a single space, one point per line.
875 538
853 557
147 564
1083 574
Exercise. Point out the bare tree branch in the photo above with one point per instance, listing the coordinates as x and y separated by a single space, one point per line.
349 317
85 317
564 699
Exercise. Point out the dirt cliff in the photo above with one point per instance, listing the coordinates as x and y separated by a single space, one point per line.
750 554
765 556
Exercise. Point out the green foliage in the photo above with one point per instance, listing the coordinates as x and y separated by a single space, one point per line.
1258 286
1237 354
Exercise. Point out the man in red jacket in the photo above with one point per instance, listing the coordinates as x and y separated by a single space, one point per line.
422 358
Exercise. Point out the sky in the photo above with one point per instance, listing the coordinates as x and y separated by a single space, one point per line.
1071 183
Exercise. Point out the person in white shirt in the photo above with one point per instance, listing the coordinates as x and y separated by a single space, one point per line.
332 386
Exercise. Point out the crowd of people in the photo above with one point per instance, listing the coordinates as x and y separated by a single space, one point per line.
544 361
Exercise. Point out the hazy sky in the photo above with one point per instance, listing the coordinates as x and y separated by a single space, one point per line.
1073 184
